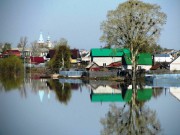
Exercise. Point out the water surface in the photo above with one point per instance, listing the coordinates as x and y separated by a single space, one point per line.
71 107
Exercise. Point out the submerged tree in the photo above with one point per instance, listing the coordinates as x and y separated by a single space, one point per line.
11 72
11 66
135 25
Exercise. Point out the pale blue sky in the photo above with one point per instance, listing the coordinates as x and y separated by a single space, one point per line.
76 20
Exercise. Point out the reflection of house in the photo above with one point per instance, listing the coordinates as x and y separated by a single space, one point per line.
143 94
175 65
105 93
109 94
166 80
175 91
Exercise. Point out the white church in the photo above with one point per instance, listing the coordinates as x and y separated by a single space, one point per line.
41 42
44 46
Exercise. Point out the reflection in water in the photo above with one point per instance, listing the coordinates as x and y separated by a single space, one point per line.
121 92
130 115
175 92
62 90
10 82
134 117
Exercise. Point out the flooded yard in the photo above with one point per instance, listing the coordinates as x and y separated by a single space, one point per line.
76 107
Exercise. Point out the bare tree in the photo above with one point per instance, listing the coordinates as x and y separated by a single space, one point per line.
135 25
23 42
35 49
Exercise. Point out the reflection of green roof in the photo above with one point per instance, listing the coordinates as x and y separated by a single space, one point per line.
104 52
106 98
143 59
142 95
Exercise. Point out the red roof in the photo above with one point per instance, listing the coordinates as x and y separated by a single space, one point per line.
115 64
155 67
37 59
12 52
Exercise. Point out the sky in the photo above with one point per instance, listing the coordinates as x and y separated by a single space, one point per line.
78 21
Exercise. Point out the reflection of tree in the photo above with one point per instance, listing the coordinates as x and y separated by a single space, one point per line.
157 91
133 118
63 91
9 82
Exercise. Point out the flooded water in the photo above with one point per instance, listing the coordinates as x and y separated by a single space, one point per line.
76 107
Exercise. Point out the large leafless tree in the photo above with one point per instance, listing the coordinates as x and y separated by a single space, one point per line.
135 25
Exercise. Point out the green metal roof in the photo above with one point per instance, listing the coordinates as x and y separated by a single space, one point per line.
104 52
143 59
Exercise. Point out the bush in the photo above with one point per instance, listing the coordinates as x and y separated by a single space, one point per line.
11 66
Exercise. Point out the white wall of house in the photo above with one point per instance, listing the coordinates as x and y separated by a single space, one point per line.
146 67
175 65
106 89
106 60
169 58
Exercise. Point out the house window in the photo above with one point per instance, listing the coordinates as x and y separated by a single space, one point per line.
139 67
104 64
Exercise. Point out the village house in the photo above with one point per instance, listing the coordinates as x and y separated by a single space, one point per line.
144 61
104 56
75 56
14 52
163 58
85 56
117 58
